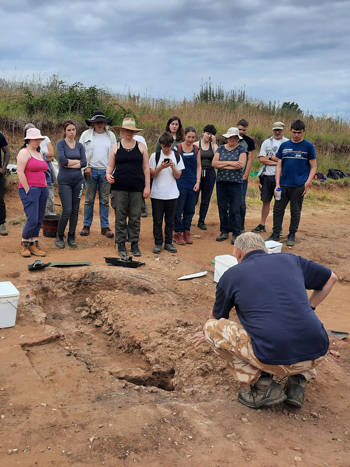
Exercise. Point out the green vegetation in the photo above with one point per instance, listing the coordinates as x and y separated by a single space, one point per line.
48 103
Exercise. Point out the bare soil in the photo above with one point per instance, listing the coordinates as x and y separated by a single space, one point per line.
100 369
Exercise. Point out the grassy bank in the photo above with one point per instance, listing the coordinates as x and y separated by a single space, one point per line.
48 103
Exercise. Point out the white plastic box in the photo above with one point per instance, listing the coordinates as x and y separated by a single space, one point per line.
9 296
273 247
222 264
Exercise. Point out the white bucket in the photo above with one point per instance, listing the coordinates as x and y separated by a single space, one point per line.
9 296
222 264
273 247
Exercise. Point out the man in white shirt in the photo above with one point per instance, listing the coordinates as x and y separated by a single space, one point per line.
267 173
97 142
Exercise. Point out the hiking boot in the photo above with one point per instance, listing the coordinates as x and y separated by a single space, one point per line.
170 247
106 231
59 242
290 239
35 250
281 233
295 390
25 252
223 236
201 224
135 250
178 238
3 230
274 238
85 231
122 250
233 239
259 228
264 392
157 249
187 237
71 241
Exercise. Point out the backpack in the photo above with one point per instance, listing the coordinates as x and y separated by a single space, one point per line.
335 174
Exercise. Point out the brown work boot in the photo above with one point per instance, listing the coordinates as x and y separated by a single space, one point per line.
187 237
34 248
25 249
107 232
85 231
178 238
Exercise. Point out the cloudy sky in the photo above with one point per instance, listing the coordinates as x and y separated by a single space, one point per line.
280 51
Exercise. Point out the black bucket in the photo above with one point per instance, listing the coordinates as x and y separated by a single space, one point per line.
50 224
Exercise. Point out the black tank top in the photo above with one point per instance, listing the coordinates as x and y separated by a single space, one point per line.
128 175
206 157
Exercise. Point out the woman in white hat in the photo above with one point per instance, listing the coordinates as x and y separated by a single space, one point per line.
129 174
33 191
229 159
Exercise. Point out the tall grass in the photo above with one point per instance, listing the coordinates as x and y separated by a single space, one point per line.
50 101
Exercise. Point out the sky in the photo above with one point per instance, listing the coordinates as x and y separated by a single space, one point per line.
285 51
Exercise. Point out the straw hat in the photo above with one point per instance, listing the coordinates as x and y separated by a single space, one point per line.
232 131
33 133
128 124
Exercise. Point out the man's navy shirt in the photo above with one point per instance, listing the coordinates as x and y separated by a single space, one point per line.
269 294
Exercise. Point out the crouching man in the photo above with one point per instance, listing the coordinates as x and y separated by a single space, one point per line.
278 333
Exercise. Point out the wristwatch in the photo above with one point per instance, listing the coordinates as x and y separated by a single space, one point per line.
270 156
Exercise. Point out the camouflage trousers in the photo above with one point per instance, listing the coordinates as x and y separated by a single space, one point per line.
233 344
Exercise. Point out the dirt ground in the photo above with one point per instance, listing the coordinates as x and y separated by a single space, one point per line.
100 369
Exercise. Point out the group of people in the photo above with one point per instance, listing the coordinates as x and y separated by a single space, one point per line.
181 168
279 336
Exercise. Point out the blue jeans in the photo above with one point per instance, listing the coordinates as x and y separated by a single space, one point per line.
229 195
70 199
185 209
243 207
34 203
99 181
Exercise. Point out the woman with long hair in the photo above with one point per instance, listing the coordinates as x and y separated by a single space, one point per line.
129 174
31 168
174 127
72 159
188 185
229 159
207 146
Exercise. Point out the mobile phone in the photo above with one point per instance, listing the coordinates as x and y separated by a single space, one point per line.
166 160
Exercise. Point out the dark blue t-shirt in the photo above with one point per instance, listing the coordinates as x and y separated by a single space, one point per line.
268 292
295 162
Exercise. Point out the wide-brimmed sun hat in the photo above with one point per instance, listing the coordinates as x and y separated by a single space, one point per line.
232 131
33 133
98 116
128 124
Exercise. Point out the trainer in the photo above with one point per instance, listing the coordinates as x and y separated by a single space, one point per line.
278 332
